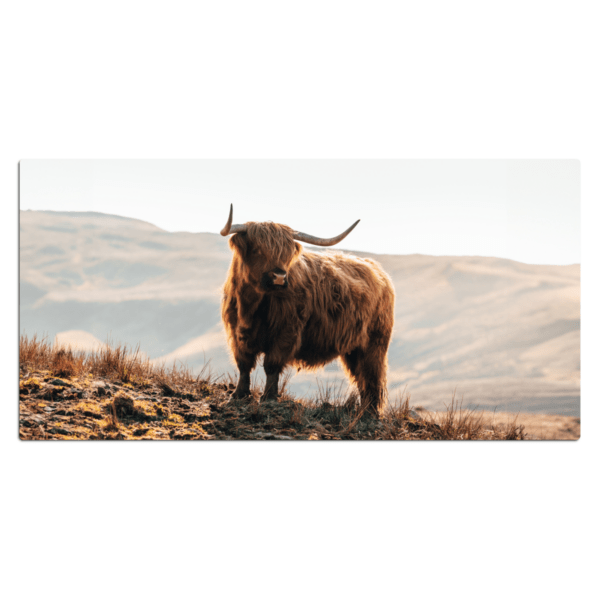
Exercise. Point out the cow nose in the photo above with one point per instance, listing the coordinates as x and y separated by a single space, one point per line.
279 277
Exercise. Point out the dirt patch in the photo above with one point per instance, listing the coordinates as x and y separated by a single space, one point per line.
92 408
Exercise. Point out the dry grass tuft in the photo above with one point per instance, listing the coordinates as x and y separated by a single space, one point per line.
116 363
63 363
460 424
467 424
117 393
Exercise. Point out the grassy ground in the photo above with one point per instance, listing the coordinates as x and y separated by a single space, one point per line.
116 394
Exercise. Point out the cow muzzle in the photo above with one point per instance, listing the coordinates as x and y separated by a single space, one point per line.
275 279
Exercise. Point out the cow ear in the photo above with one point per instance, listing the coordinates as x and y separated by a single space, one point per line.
298 249
239 242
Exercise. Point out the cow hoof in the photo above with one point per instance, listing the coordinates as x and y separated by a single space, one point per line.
267 398
370 415
239 395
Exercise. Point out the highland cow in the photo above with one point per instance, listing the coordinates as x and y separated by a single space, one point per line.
304 309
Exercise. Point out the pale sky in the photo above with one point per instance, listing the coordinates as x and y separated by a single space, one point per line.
525 210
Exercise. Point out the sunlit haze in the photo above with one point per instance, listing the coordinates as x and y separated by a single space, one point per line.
524 210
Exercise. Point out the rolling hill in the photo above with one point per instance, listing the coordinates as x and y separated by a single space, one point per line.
504 334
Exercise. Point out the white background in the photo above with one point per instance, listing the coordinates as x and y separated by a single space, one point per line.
321 80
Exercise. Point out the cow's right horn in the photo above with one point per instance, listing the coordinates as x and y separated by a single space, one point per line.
317 241
229 228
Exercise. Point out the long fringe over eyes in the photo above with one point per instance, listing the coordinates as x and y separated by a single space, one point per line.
276 241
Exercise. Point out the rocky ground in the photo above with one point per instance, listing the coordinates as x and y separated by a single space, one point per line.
116 393
92 408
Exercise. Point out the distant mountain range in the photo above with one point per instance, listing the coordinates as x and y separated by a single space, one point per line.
501 333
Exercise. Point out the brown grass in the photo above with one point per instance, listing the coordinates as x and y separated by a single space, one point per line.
401 422
466 424
117 363
154 398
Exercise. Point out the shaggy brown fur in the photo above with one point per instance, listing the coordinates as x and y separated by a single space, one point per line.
333 305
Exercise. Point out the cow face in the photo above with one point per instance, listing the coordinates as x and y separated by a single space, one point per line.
266 250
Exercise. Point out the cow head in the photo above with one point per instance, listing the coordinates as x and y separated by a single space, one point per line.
267 250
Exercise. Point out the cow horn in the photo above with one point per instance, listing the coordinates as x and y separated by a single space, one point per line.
229 228
317 241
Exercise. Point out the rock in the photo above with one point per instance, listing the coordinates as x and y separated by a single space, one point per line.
265 435
123 405
186 434
35 418
60 383
141 431
58 430
64 413
100 386
166 389
92 414
50 392
55 394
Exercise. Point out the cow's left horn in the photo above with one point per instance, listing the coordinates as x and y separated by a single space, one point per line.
317 241
229 228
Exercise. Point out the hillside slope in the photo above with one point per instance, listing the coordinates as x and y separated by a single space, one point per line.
502 334
112 394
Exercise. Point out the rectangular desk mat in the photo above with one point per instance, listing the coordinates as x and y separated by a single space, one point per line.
288 300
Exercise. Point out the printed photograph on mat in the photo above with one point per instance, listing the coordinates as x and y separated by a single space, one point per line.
299 300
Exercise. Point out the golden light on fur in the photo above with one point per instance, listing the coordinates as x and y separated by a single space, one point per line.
331 305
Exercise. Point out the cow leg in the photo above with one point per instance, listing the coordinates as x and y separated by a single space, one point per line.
272 386
243 387
367 368
245 363
283 347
